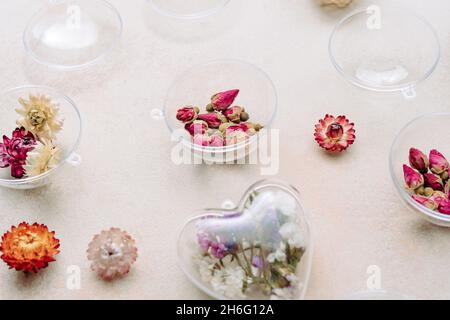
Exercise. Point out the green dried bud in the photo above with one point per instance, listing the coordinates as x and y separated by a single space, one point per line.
197 110
428 192
420 190
210 108
444 175
244 116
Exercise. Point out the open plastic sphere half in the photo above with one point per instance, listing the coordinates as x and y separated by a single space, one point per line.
188 9
196 86
72 34
385 49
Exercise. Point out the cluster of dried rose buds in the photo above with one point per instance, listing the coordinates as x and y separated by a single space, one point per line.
221 125
428 179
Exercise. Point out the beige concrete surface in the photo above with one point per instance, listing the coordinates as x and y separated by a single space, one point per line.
128 180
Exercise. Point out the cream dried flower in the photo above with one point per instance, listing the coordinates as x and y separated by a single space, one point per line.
42 158
112 253
39 115
338 3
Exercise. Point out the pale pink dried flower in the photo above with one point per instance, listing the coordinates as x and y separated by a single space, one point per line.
112 253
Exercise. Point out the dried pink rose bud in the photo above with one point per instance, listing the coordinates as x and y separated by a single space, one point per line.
438 163
236 134
413 178
216 140
444 207
187 114
196 127
233 114
433 181
213 119
426 202
112 253
201 140
223 100
438 197
418 160
447 189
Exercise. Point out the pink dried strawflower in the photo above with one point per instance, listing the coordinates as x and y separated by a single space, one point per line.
413 179
438 163
196 127
112 253
213 119
426 202
418 160
223 100
187 114
14 151
335 134
433 181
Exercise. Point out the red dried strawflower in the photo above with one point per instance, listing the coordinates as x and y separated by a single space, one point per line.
29 248
335 134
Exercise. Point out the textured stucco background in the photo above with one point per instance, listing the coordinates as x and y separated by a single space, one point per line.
127 179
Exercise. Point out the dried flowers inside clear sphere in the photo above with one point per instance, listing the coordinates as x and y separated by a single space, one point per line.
112 253
29 248
260 250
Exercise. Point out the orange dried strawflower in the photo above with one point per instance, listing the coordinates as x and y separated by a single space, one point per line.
29 248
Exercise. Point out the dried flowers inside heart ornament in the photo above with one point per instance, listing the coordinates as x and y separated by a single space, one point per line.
260 250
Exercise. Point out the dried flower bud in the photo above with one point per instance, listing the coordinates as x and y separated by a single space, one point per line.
210 108
413 179
235 135
224 126
438 197
438 163
244 116
447 189
196 127
426 202
187 114
337 3
213 119
433 181
428 192
233 114
216 140
223 100
418 160
112 253
444 207
201 140
445 175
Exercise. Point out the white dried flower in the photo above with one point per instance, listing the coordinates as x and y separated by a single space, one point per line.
41 159
229 281
291 233
112 253
39 115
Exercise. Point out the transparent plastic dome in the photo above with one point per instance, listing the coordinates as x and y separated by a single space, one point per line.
67 139
72 34
196 86
264 244
425 133
385 49
188 9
